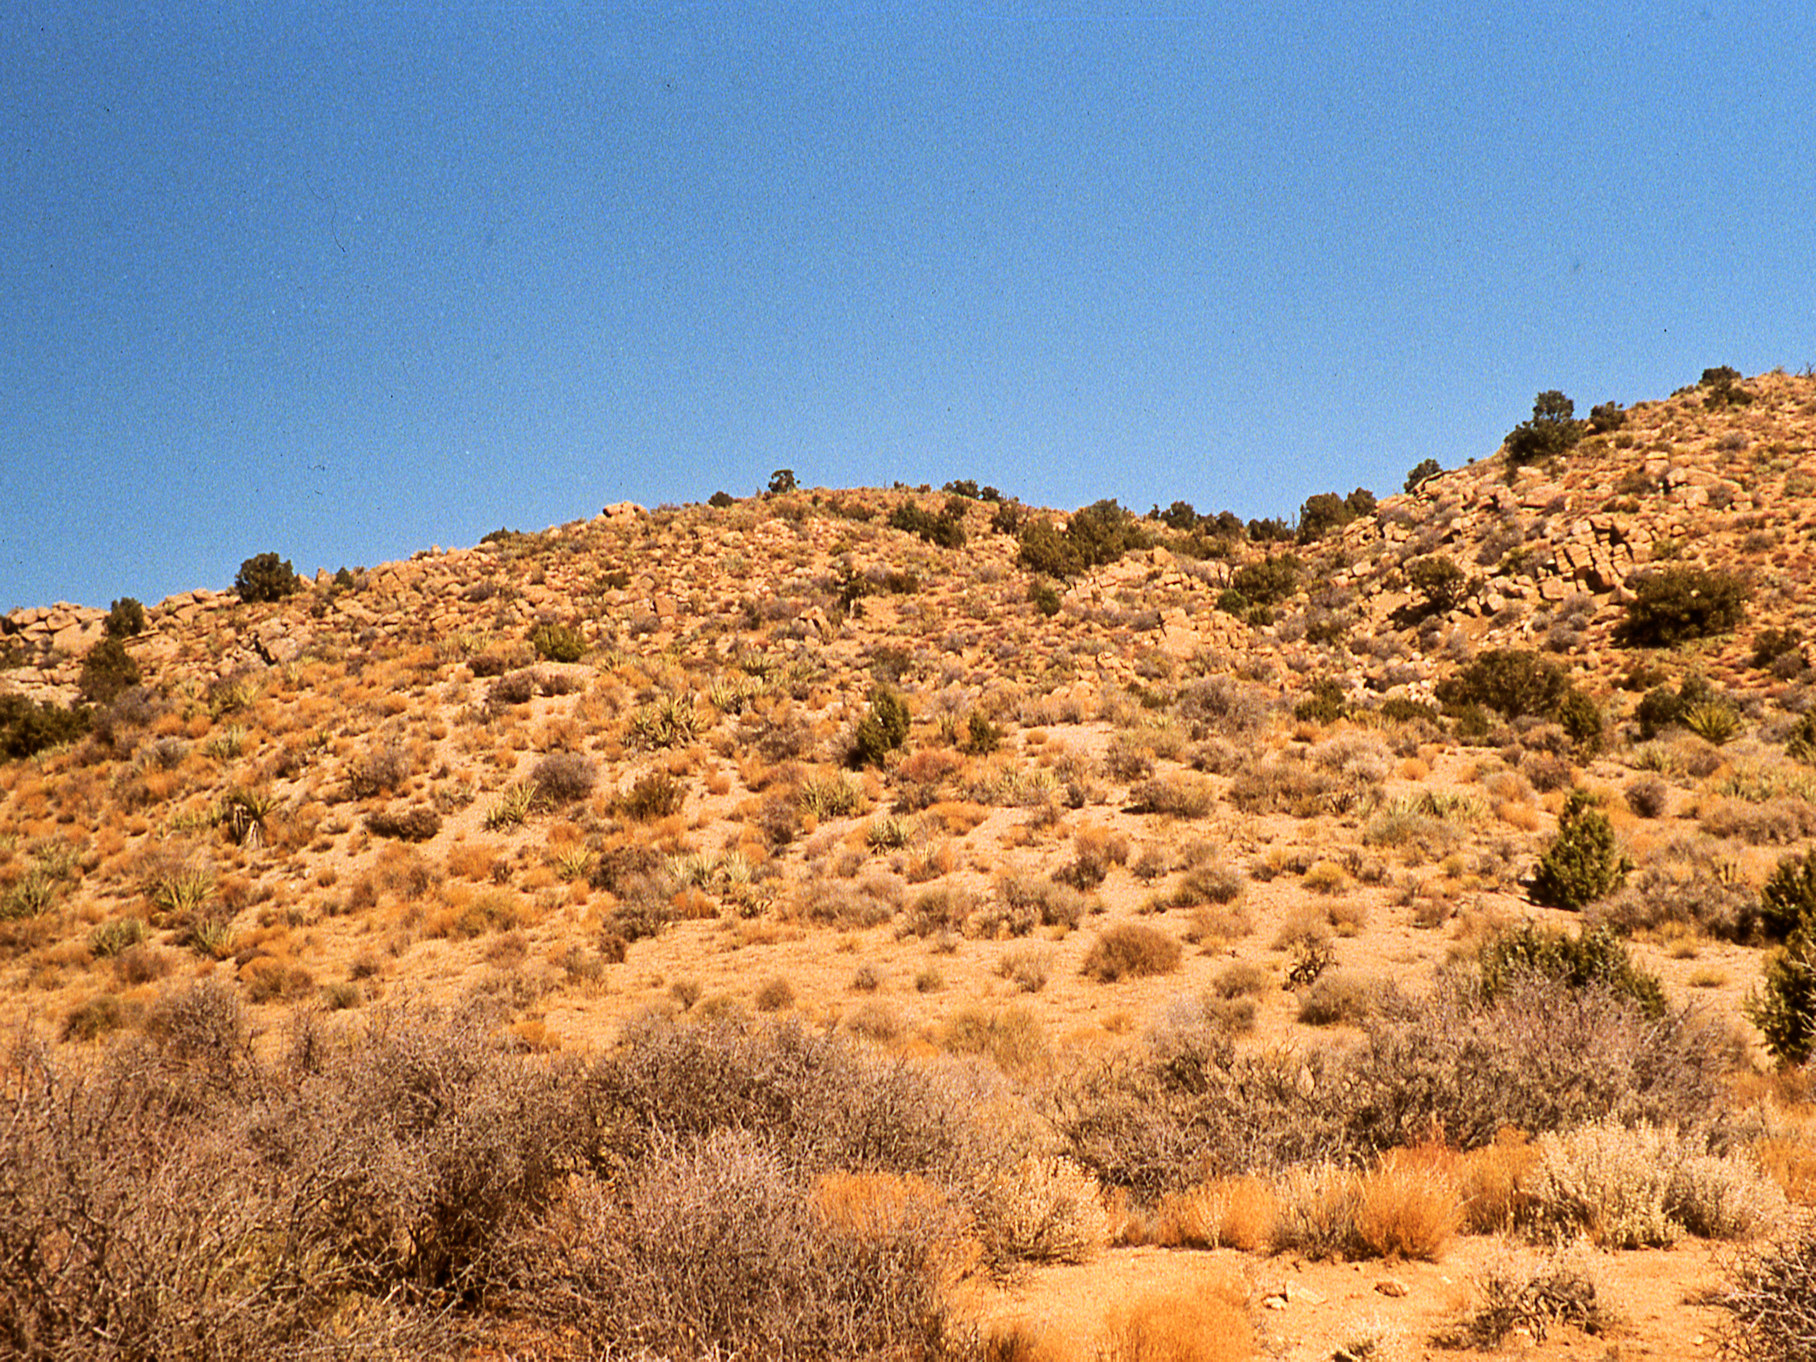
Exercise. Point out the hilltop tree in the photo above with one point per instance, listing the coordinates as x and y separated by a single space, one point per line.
1552 430
266 577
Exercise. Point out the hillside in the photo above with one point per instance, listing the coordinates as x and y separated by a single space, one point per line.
841 756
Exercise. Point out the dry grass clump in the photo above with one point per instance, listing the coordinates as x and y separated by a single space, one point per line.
1012 1038
1131 950
1409 1205
1240 1213
1340 996
1208 1324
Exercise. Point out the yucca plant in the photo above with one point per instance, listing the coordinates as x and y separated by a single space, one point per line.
1713 721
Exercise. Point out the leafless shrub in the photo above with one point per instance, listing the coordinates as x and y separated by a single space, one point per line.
722 1244
1772 1297
1225 707
380 771
1024 902
416 823
1648 796
563 777
1131 950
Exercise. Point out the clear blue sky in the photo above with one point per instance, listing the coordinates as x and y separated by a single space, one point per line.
342 281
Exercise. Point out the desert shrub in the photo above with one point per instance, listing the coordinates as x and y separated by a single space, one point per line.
1223 706
844 905
1325 703
563 777
1648 796
557 642
1584 862
1034 900
1044 1210
1661 706
1423 471
125 618
1801 743
1407 1206
1772 1297
1338 996
654 794
380 770
1180 795
1677 604
1268 582
1130 950
1787 900
1697 891
940 910
1591 958
415 824
1550 432
28 727
1557 1293
266 577
1641 1186
882 730
107 670
1439 581
1713 722
1514 682
1581 718
1784 1009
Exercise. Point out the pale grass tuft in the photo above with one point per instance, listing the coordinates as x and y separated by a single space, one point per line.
1046 1210
1240 1213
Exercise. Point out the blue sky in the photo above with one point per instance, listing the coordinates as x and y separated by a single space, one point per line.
343 283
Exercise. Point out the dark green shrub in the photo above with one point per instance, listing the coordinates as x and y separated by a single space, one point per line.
1440 581
1584 862
1422 472
344 580
881 731
558 642
1103 531
782 480
1581 718
1678 604
125 618
1326 703
1771 644
1550 432
1721 387
1514 682
1606 418
1321 514
945 529
1270 530
1268 582
1661 707
1785 1009
1788 899
720 500
266 577
1044 597
981 736
106 671
1802 742
28 727
1045 550
1593 957
963 487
